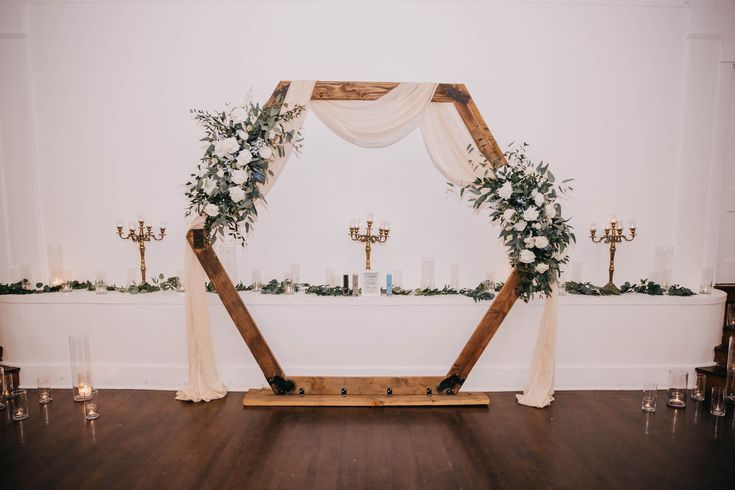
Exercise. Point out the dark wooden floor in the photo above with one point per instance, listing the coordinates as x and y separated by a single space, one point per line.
146 439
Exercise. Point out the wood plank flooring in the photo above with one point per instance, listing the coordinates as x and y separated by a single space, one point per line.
146 439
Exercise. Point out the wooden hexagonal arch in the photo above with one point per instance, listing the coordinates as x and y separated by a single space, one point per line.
365 390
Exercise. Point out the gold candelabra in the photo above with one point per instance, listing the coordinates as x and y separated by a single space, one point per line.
368 238
614 234
143 234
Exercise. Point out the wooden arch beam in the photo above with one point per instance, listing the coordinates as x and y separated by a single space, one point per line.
326 389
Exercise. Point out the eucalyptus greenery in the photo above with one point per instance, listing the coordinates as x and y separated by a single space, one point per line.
524 198
240 143
644 286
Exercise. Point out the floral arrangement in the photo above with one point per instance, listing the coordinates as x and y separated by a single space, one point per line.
239 143
523 198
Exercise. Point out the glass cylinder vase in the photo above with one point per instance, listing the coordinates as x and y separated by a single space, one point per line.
81 366
428 275
678 381
729 393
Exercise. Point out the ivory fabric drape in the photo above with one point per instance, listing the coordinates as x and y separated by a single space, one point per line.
539 389
370 124
204 383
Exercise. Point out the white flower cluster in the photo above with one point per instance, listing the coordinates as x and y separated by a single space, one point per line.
524 199
239 145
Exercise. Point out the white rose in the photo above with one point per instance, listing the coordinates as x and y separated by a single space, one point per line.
541 242
238 115
208 186
239 177
527 257
508 214
244 158
520 226
220 173
505 190
243 135
538 198
265 152
529 242
530 214
550 210
225 147
211 210
236 194
541 268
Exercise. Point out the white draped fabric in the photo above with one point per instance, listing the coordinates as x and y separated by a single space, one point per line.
204 383
370 124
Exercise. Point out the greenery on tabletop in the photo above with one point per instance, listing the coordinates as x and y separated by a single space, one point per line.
240 143
524 198
644 286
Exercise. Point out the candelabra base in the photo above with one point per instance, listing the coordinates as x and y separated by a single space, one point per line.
612 289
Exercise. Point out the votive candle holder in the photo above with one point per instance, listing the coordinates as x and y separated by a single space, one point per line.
44 389
650 393
699 388
92 405
19 404
717 402
678 381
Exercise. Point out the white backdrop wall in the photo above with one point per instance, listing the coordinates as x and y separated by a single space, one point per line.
95 125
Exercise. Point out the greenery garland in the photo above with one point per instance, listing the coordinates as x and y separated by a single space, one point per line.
524 199
644 286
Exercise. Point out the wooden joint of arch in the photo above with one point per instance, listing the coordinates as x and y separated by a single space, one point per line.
371 390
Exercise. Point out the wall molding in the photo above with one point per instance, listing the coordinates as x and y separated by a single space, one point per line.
13 35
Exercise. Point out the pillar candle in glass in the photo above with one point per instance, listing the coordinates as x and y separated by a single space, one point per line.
707 280
650 393
44 389
678 381
92 405
19 404
257 281
81 366
663 263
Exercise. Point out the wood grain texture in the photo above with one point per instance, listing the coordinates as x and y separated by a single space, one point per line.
401 385
485 331
147 440
265 398
236 308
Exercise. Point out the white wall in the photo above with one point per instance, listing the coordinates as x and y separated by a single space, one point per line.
602 90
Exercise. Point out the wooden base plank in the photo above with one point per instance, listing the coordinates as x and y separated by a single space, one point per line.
332 385
266 398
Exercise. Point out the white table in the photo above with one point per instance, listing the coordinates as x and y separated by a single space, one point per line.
138 341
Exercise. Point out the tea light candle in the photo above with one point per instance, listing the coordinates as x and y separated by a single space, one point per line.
84 390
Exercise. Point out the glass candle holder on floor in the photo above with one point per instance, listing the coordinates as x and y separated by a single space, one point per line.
81 365
650 393
44 389
698 390
717 402
7 386
92 405
729 391
19 404
3 400
730 315
678 381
